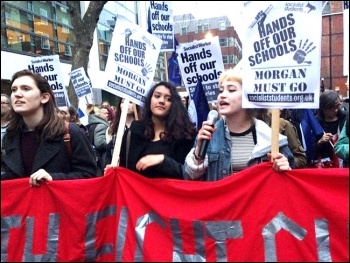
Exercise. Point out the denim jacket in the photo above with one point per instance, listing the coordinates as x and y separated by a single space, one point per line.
217 163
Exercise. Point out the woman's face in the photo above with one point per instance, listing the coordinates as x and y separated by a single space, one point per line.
161 102
26 97
130 106
229 100
332 113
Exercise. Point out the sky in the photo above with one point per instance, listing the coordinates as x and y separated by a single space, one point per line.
208 9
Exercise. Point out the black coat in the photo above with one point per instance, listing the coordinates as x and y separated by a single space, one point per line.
171 167
52 156
325 150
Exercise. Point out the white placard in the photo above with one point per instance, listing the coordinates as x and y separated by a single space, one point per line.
162 23
49 67
201 60
131 62
282 54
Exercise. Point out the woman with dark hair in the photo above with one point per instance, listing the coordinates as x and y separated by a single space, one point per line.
111 132
160 141
332 120
34 145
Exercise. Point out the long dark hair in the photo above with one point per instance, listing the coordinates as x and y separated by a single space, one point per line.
51 124
178 124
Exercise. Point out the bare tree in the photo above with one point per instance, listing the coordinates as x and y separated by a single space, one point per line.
82 38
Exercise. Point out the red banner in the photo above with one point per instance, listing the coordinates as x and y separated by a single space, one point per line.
254 215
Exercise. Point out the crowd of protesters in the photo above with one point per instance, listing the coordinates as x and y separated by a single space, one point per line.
159 140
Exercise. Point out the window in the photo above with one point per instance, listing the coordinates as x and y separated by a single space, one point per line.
21 38
228 59
203 28
29 6
43 13
63 9
67 50
230 42
223 42
36 27
104 47
64 28
224 59
184 30
222 25
326 8
45 43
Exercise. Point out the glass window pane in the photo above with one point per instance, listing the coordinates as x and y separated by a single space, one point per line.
64 51
18 41
16 18
107 19
230 59
223 42
230 41
222 25
23 4
43 8
63 16
64 33
103 62
103 47
44 46
43 27
104 32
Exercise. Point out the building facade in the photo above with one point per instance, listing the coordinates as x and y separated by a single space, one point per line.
35 28
332 50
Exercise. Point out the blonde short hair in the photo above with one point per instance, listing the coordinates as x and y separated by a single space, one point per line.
232 74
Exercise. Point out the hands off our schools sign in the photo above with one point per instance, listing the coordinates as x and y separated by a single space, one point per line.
282 54
131 61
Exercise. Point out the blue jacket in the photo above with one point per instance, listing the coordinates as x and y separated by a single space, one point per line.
217 163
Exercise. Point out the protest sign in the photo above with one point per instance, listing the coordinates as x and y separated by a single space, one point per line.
83 89
81 83
131 61
162 23
201 60
49 68
282 54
